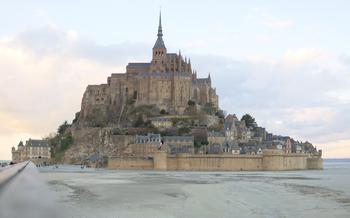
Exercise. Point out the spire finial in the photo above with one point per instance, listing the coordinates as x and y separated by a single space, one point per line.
160 30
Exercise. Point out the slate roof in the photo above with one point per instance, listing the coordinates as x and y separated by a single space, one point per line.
178 138
164 74
37 143
215 134
201 81
138 64
159 43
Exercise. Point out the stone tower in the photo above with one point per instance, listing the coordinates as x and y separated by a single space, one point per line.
159 50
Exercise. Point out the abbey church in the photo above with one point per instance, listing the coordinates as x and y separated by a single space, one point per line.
168 82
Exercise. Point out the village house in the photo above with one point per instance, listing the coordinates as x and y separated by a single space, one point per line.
161 122
216 138
179 144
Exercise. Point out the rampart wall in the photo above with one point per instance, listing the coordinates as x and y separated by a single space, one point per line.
130 163
269 160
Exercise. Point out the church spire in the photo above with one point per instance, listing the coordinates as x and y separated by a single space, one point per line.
160 30
159 43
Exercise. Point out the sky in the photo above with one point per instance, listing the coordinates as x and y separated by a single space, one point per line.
287 63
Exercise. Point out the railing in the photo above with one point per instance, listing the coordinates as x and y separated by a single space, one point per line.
23 193
10 172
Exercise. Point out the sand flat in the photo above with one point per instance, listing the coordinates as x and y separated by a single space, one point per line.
137 193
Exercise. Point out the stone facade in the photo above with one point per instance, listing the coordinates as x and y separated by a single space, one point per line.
38 151
179 144
167 81
162 122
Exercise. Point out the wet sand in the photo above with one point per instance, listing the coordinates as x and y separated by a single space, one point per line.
123 193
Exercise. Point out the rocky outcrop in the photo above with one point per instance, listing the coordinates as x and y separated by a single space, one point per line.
95 142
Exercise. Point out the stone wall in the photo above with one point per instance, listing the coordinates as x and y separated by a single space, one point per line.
213 162
315 162
129 163
270 160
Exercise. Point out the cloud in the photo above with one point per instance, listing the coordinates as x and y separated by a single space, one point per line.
44 71
276 23
304 93
269 20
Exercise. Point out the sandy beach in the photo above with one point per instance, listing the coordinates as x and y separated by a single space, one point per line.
122 193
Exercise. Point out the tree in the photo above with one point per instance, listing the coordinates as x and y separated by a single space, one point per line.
62 128
249 121
163 112
191 103
184 130
220 114
139 121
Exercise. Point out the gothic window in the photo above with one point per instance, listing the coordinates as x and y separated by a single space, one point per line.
135 94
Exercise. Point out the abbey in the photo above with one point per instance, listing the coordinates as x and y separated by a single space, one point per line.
168 82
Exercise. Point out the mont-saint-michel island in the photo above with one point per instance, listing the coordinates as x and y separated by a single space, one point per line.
174 109
161 115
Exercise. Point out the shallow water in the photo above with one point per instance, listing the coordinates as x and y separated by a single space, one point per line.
126 193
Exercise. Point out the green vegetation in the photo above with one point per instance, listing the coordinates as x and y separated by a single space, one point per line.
62 128
191 103
66 141
119 131
61 141
199 142
249 121
220 114
183 131
140 122
163 112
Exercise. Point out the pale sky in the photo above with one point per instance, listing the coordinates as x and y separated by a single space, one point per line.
285 62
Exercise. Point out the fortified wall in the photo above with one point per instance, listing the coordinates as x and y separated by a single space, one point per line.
269 160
